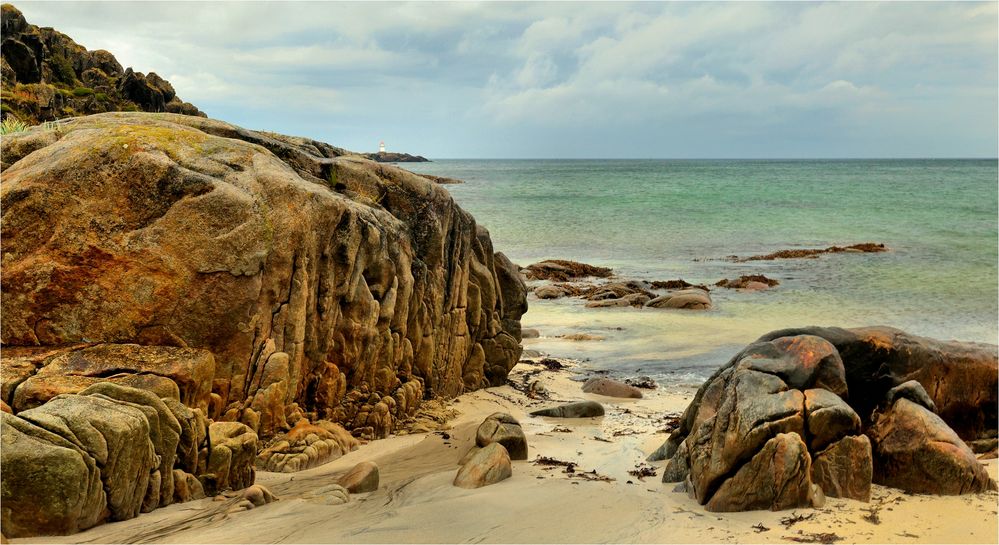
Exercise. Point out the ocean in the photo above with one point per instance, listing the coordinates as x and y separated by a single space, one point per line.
666 219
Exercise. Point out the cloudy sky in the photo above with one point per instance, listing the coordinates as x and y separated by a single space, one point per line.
673 80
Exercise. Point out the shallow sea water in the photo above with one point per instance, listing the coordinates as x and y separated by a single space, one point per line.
665 219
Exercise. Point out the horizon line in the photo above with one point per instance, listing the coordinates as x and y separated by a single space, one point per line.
707 159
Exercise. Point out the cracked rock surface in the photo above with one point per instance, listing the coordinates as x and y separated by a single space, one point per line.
807 413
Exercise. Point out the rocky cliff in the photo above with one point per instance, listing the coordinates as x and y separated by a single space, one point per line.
309 283
47 76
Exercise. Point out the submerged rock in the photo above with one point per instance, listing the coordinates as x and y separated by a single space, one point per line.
561 270
691 298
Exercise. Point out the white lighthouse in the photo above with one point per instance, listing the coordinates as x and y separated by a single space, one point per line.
381 147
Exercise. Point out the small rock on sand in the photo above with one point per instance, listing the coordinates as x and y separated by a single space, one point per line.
361 478
579 409
489 465
529 333
503 429
611 388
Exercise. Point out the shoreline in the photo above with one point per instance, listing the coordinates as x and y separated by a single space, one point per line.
538 503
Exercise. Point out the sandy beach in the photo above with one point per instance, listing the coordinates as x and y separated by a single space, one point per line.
417 503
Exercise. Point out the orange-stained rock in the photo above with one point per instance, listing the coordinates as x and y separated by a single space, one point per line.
307 273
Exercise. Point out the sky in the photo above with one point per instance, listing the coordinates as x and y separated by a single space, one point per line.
574 80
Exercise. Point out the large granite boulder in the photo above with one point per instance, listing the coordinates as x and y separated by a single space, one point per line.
791 419
272 271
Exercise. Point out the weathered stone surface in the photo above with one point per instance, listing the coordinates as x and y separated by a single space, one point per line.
331 494
961 378
306 446
845 468
611 388
777 477
503 429
916 451
691 298
38 389
242 245
829 418
230 464
561 270
164 432
49 486
361 478
192 370
116 435
578 409
258 495
490 465
186 487
914 392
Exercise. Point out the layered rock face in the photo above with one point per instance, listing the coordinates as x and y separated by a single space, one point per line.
47 76
270 284
807 413
319 284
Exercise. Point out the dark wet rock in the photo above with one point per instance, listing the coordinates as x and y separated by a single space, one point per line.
643 382
611 388
394 157
866 247
678 284
529 334
748 282
845 468
560 270
916 451
503 429
913 391
489 465
578 409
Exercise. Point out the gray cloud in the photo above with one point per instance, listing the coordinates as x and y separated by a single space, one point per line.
575 80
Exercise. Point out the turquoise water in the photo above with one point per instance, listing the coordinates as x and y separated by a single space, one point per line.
663 219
